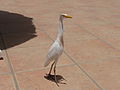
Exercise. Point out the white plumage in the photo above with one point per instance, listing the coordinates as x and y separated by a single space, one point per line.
54 52
57 47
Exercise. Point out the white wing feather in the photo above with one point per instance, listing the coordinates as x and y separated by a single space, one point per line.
54 52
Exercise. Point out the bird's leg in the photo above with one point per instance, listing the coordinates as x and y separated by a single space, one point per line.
51 68
55 75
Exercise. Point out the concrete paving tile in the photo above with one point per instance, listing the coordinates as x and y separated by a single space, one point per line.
106 72
102 31
90 51
98 20
3 67
75 80
44 7
6 83
28 3
16 40
7 2
51 30
40 13
3 64
98 26
73 33
114 41
31 58
98 17
11 9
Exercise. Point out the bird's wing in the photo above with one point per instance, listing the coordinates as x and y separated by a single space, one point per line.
52 53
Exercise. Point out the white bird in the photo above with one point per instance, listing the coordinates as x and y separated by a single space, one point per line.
57 47
1 55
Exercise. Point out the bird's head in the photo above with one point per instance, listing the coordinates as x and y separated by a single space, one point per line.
65 16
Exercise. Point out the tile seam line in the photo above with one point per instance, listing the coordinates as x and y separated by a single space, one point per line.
104 41
39 69
7 73
83 70
80 67
10 64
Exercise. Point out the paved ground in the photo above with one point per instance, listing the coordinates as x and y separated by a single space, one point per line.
92 44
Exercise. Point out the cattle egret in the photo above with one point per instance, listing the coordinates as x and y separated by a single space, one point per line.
57 47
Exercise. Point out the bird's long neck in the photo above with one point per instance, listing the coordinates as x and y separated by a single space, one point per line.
60 31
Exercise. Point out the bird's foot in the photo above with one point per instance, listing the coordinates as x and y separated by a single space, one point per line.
59 79
49 76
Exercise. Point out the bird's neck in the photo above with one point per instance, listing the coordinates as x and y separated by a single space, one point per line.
60 31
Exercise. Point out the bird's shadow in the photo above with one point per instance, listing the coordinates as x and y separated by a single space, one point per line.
59 78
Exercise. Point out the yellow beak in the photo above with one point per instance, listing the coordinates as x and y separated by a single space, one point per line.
68 16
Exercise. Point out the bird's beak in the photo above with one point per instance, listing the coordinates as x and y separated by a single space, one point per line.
68 16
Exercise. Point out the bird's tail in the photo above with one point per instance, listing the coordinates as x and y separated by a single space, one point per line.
47 62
